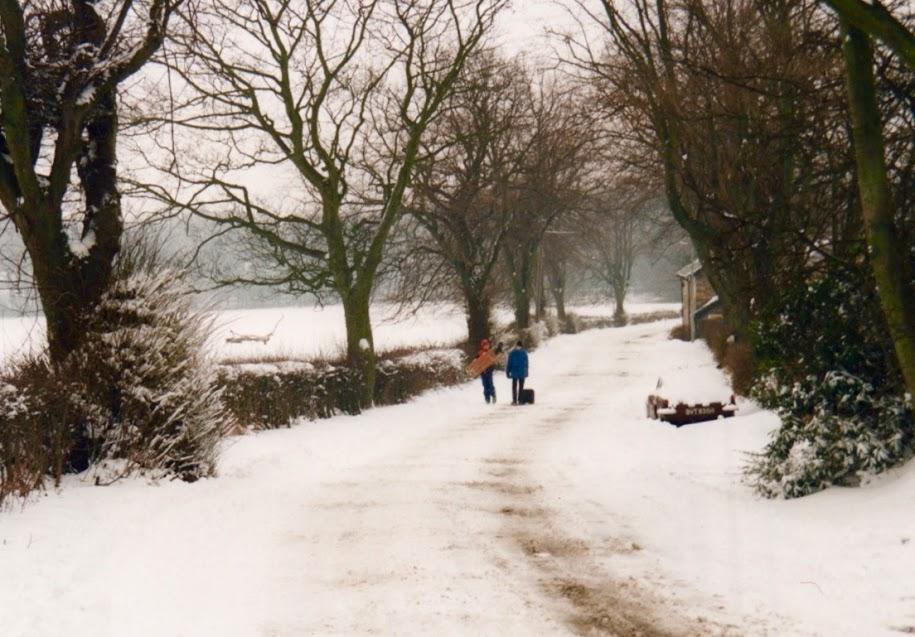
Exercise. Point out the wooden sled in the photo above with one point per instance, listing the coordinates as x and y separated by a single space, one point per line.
480 364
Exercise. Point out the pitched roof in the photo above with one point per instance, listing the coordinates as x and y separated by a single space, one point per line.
690 270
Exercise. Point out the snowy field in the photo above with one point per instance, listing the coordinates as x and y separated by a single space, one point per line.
446 516
306 332
19 335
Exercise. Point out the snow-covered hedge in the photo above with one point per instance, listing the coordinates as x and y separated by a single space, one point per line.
35 437
827 374
270 395
583 323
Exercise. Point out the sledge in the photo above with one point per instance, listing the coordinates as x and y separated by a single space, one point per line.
526 397
480 364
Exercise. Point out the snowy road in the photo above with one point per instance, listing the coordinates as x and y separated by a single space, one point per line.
441 517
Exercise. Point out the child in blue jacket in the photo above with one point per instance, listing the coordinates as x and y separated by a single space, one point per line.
516 369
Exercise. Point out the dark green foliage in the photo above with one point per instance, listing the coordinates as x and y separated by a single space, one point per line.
827 371
831 323
834 432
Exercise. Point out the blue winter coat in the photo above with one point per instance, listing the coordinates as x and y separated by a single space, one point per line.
517 364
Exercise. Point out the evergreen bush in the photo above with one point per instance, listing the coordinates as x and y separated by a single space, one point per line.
827 370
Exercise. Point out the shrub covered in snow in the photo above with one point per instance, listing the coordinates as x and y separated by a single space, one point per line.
35 436
835 430
401 378
138 395
142 384
532 336
571 324
827 373
271 395
602 322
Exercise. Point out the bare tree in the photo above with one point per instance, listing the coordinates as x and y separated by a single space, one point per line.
467 181
617 225
61 65
553 181
562 258
717 93
330 101
773 170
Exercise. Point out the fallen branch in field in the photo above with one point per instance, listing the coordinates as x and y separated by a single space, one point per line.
252 338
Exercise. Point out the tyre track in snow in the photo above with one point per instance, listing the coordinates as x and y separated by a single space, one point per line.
431 518
468 493
554 571
423 526
567 567
590 600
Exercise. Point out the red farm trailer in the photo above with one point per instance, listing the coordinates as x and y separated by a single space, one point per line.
681 412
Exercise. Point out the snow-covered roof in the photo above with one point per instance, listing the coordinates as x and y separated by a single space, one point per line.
711 303
690 270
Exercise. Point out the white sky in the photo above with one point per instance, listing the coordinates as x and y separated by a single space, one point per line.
521 28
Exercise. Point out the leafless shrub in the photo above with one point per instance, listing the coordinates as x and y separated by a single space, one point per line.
735 356
35 439
680 333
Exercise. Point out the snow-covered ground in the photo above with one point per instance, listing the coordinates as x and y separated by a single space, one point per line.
306 332
298 332
20 334
446 516
634 307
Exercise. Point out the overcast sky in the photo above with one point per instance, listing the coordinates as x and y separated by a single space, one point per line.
521 28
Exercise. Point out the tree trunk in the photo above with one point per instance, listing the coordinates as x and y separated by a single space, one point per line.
71 282
69 287
889 255
538 282
65 307
521 274
541 300
871 18
522 302
556 276
619 297
479 321
360 346
559 298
